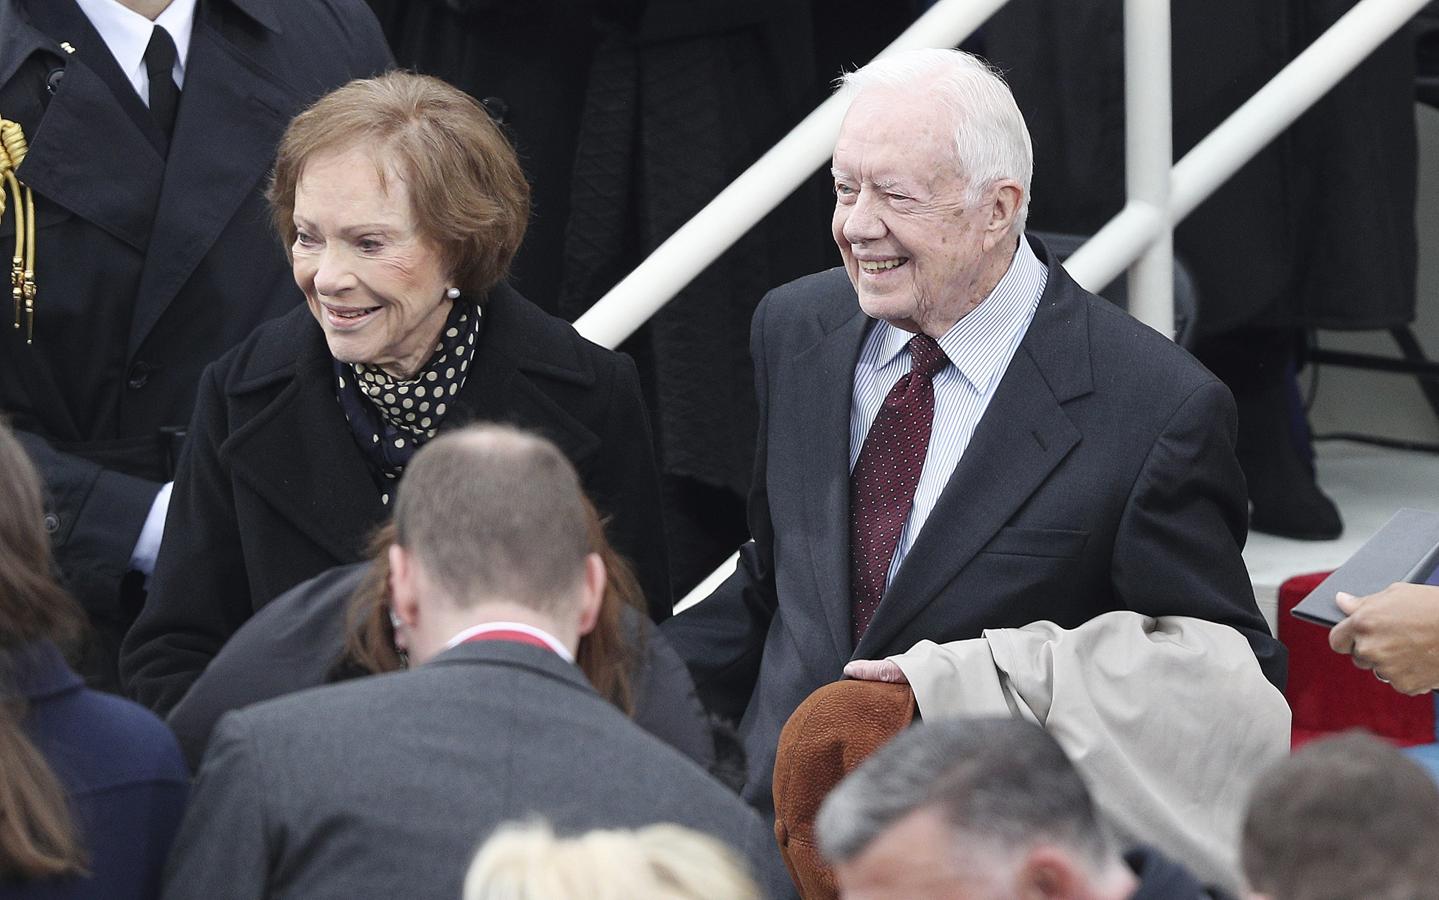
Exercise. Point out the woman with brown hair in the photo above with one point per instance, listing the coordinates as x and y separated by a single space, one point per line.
91 786
338 626
401 204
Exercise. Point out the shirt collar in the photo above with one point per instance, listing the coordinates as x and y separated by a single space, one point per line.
550 640
127 33
970 343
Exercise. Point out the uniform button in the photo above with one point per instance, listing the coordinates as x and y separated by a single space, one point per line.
51 522
498 109
139 375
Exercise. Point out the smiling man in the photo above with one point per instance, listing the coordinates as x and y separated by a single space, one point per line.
954 435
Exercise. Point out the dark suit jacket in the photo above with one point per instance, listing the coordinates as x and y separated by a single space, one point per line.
1102 477
272 489
293 644
121 771
152 260
384 787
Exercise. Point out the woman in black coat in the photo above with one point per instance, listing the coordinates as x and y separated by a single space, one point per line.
402 205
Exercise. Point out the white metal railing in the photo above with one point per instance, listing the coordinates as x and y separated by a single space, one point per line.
1213 160
757 191
1140 238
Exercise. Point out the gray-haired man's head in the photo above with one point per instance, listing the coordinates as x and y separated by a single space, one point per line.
969 809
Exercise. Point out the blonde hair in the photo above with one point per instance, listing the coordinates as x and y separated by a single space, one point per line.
658 862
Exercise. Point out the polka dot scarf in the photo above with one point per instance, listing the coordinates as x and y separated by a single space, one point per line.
391 419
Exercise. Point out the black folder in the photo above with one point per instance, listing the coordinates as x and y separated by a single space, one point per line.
1405 549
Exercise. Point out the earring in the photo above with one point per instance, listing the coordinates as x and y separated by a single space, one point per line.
452 293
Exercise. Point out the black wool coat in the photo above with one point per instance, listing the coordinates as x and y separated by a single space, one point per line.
154 256
272 490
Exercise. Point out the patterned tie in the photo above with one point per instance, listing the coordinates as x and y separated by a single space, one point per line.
160 58
881 488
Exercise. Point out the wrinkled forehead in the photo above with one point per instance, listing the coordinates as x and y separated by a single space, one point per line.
893 135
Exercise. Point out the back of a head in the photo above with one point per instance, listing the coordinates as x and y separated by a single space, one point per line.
1344 817
494 513
658 862
1004 783
991 139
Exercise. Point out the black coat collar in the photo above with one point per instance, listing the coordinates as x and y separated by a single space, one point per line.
294 449
40 672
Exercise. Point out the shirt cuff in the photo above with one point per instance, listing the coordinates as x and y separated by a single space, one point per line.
147 548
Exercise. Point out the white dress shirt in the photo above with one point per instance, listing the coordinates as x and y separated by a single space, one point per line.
979 347
476 630
127 34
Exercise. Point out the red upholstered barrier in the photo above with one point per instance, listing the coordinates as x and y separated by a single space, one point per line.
1328 694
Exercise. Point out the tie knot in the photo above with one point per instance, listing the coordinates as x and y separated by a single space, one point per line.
926 356
160 54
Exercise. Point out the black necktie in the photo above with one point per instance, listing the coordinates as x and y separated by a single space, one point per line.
160 64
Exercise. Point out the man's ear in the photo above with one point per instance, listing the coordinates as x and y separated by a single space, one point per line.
404 595
1003 210
1048 873
593 592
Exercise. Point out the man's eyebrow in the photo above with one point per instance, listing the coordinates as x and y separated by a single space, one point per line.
838 173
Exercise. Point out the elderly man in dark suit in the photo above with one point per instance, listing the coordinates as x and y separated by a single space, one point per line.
384 787
954 435
151 126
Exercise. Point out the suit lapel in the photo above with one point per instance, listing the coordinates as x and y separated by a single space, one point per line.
1023 435
229 122
299 456
825 373
115 190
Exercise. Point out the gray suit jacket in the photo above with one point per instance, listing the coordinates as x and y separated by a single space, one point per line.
1102 477
385 787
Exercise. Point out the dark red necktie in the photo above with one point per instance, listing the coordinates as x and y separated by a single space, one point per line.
881 488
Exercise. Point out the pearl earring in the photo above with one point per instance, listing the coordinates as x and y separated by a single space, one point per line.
452 293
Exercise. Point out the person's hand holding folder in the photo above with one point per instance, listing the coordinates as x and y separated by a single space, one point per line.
1394 633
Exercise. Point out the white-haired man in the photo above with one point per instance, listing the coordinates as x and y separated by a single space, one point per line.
953 434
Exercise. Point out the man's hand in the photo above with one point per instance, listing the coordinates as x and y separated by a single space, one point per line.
875 670
1395 633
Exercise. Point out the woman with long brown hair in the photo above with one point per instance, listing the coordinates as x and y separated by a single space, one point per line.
91 786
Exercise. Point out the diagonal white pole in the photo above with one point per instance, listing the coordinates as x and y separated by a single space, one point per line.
762 187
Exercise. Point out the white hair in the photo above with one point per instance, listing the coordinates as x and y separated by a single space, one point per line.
991 141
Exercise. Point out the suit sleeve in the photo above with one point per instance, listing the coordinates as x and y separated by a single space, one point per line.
721 637
223 851
625 485
95 516
199 593
1177 551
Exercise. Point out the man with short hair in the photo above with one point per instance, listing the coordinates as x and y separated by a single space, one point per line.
384 786
1344 817
954 436
979 809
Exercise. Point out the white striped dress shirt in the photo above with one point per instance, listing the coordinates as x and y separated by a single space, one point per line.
979 347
